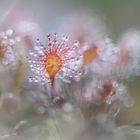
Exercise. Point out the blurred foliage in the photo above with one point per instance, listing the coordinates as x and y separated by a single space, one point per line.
119 16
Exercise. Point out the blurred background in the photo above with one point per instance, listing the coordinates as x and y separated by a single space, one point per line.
116 18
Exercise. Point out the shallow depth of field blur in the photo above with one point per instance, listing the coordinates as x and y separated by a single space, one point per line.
22 116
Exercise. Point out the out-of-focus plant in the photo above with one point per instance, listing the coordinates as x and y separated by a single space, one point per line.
80 84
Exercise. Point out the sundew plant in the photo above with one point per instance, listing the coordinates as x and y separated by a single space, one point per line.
66 73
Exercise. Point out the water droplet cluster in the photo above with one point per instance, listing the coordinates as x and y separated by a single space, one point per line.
56 60
7 43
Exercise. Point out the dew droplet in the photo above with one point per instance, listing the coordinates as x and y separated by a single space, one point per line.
76 43
9 32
